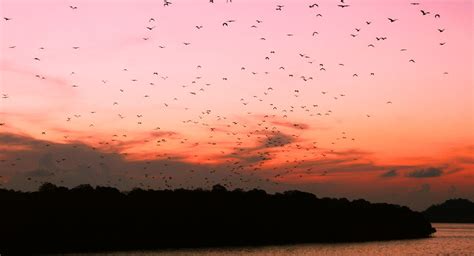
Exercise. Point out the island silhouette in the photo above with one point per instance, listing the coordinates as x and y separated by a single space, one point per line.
84 218
451 211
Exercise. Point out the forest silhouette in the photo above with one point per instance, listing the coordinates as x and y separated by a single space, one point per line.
451 211
84 218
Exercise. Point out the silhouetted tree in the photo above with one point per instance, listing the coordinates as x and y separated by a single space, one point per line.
58 219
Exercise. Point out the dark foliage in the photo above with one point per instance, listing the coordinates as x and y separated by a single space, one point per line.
452 211
58 219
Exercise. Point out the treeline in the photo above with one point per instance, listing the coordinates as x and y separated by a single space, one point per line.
452 211
58 219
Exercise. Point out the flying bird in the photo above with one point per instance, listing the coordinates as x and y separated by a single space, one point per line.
424 12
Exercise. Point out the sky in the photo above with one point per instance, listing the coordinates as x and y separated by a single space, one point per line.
337 101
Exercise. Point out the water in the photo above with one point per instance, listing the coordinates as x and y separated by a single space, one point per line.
450 239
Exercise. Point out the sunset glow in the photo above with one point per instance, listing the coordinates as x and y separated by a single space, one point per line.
137 94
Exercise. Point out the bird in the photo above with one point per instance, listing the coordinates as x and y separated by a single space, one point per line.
424 12
313 5
150 28
392 20
225 24
437 16
6 18
315 33
73 7
199 27
441 30
343 5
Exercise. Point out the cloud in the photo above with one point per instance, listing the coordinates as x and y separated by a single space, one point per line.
40 173
389 174
349 173
276 140
425 173
71 164
425 188
299 126
16 139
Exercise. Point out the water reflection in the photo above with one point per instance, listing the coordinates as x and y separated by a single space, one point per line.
450 239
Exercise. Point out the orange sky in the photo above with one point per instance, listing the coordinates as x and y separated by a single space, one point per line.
265 103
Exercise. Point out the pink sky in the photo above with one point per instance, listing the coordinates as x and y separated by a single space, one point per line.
340 152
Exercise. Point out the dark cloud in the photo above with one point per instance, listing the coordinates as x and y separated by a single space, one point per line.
71 164
425 173
39 173
389 174
29 162
299 126
425 188
16 139
262 151
276 140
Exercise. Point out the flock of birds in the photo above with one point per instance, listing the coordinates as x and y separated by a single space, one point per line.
243 166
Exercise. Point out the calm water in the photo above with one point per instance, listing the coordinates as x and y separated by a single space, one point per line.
451 239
